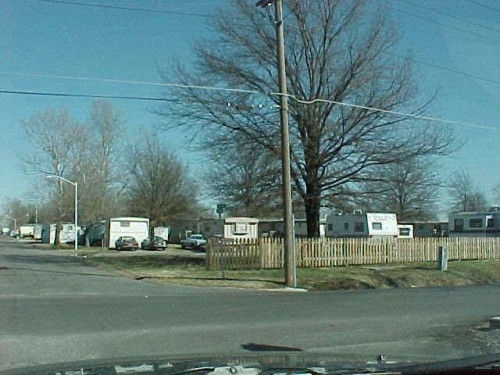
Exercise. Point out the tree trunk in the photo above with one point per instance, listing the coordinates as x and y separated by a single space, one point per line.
312 203
57 232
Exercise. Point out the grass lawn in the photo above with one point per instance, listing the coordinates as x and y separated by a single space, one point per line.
176 268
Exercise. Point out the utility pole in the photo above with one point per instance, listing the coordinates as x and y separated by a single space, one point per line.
289 241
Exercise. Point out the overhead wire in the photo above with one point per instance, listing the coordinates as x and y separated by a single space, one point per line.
146 83
435 66
292 97
449 70
121 7
489 7
468 32
462 20
246 91
74 95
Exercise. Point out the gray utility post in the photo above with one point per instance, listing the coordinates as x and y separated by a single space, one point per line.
75 184
285 143
442 258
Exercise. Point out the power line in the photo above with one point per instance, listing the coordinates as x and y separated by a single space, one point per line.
449 70
404 114
452 17
470 33
489 7
117 7
145 83
214 88
73 95
244 91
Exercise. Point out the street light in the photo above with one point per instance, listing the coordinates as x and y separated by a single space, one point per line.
75 184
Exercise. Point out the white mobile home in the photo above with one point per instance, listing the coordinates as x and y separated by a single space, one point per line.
66 233
477 224
137 227
230 227
241 227
33 231
362 225
163 232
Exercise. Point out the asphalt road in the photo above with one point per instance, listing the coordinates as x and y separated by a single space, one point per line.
54 309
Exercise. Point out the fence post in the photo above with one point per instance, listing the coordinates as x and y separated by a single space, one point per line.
442 258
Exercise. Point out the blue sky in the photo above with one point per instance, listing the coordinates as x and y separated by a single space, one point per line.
455 43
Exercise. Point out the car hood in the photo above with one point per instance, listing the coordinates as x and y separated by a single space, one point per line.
273 363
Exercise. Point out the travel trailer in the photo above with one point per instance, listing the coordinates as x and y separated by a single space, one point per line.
105 233
66 233
240 227
362 225
274 228
477 224
427 228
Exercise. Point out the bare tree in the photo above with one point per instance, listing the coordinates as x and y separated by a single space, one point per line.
80 152
52 134
336 53
159 185
409 188
15 213
246 179
465 195
97 162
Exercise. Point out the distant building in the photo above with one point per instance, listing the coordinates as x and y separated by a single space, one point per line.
428 228
477 224
362 225
275 228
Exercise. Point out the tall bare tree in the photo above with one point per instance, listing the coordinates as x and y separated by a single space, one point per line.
246 179
53 134
336 53
97 162
159 186
465 195
409 188
82 152
15 213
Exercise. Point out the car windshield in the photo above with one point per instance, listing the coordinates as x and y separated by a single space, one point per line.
202 178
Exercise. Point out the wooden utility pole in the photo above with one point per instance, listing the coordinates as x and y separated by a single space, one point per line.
289 242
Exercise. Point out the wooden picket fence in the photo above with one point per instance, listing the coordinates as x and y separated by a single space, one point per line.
237 254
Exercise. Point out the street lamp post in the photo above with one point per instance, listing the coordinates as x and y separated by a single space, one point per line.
75 184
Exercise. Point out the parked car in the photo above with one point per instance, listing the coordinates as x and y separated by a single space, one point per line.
154 243
194 242
126 243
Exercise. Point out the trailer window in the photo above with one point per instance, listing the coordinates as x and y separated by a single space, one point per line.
377 226
404 232
359 227
475 223
240 228
125 224
490 222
